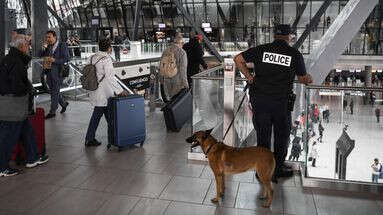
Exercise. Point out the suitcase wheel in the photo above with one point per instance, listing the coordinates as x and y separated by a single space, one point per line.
141 144
109 146
120 149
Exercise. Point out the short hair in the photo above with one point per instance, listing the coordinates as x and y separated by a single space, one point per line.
52 32
376 159
104 44
19 40
178 39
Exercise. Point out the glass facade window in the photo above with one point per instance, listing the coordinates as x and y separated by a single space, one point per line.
249 21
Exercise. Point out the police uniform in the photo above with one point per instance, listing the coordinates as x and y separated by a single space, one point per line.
275 67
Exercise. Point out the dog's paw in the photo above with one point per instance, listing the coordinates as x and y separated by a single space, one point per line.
215 200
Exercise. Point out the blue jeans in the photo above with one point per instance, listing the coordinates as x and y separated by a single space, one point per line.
10 133
54 82
98 112
375 178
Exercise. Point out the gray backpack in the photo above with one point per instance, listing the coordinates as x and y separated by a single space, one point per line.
89 79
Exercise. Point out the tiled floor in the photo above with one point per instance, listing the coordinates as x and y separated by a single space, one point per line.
154 180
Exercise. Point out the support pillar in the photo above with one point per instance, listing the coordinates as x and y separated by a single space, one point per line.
137 19
368 80
338 36
39 20
2 28
228 101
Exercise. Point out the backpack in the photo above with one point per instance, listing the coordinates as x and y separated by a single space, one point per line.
168 64
89 80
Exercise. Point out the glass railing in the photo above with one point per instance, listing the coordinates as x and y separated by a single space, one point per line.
208 101
208 107
39 77
344 133
145 82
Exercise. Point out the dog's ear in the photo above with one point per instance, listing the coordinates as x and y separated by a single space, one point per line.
208 132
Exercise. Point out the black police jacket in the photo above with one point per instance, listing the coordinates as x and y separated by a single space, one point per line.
275 67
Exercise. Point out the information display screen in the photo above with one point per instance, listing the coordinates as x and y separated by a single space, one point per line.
205 25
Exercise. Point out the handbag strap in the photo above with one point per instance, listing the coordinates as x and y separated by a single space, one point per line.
91 60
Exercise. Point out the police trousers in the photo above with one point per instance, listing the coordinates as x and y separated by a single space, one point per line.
271 115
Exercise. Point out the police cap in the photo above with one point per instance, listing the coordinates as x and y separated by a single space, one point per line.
282 30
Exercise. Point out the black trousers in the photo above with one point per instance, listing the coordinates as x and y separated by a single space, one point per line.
272 113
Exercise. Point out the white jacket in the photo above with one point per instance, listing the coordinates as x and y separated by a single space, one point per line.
314 152
108 87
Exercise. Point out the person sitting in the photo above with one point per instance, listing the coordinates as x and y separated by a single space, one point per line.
108 87
15 90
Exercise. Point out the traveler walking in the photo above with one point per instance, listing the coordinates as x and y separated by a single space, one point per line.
107 88
173 70
55 55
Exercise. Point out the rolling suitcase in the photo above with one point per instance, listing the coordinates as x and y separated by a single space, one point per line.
127 121
38 123
178 111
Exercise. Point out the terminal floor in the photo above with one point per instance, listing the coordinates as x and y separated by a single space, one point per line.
362 127
156 179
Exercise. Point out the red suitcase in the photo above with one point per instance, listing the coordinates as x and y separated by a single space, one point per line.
38 123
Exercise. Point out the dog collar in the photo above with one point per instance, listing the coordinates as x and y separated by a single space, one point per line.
208 148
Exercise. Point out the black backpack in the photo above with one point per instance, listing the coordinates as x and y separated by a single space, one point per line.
89 79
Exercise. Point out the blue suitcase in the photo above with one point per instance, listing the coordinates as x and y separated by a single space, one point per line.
127 121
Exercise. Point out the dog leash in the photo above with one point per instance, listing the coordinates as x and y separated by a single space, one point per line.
239 107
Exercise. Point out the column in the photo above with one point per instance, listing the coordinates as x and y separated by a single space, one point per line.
368 73
367 83
2 28
341 32
39 18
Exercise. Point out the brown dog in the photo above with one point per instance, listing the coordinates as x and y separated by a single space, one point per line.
226 160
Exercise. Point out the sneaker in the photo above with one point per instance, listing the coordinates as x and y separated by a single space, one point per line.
41 160
9 172
92 143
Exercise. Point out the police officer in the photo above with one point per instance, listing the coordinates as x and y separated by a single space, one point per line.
275 67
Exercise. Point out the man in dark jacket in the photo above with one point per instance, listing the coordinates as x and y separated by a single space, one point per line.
55 55
15 89
117 46
195 54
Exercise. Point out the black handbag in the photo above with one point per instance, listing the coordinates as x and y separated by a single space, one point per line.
64 72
